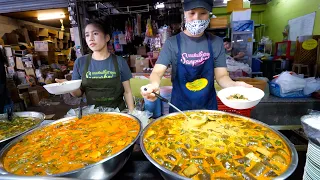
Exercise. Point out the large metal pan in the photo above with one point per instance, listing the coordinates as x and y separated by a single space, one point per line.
104 169
169 175
38 115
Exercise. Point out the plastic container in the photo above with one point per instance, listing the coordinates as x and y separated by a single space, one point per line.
276 91
256 64
243 112
153 107
165 92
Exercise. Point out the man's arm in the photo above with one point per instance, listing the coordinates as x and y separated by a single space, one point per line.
223 79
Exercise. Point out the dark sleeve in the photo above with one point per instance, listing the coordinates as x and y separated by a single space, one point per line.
76 74
124 69
220 54
166 56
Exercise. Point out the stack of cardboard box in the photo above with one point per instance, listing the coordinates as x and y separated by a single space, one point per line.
45 51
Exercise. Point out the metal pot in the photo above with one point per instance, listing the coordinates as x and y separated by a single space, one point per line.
104 169
167 174
38 115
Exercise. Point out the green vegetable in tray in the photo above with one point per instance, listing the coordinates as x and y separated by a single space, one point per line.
16 126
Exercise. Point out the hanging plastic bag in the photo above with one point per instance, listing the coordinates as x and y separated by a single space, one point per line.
312 85
290 83
143 116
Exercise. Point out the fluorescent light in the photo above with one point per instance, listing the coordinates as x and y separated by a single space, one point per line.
159 5
51 16
225 1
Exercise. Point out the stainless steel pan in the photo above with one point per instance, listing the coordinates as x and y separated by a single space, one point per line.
38 115
167 174
104 169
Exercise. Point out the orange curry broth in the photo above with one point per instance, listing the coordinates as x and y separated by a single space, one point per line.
64 147
219 153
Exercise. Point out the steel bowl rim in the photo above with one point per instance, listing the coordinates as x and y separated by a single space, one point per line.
16 140
294 154
33 127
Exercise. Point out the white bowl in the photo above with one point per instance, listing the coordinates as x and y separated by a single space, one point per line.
63 88
254 96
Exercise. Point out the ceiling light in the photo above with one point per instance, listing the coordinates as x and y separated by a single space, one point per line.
159 5
51 16
225 1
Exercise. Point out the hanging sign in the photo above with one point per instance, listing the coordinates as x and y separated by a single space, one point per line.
309 44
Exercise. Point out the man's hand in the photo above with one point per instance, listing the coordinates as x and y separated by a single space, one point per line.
60 80
243 84
146 91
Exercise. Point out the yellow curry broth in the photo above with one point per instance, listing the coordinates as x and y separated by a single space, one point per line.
72 145
225 147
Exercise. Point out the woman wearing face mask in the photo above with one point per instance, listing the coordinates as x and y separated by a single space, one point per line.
105 77
197 58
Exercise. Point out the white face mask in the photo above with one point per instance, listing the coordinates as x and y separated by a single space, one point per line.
197 27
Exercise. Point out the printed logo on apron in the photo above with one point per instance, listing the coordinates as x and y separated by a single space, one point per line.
197 85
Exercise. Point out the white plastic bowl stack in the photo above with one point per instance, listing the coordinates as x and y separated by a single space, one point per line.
312 167
63 88
254 96
311 127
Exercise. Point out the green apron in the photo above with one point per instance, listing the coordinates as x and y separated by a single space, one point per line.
106 92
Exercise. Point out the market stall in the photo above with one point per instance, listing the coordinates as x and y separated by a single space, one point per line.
67 137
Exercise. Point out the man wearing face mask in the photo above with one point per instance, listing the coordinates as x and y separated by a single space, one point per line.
197 58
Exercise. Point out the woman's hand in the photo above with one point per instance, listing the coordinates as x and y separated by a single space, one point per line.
76 93
60 80
146 91
243 84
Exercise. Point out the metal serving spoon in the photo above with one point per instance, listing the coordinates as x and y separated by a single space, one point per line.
80 110
167 101
9 113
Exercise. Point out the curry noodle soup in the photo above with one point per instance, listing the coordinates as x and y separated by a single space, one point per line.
225 147
70 145
16 126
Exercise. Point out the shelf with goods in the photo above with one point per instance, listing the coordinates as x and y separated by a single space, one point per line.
220 31
242 36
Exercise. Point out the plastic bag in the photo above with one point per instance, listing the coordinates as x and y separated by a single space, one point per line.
290 83
143 116
311 126
312 85
90 110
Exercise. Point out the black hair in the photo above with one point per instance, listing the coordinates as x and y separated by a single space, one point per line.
102 23
227 40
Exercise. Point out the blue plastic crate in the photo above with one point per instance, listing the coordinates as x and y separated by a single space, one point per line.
276 91
256 65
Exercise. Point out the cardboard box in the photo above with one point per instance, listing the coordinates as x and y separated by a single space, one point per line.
8 51
30 72
37 93
43 32
219 22
10 38
19 63
133 60
141 64
142 50
43 46
60 35
47 56
60 44
240 15
234 5
53 32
